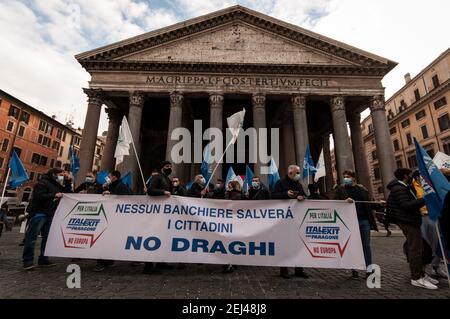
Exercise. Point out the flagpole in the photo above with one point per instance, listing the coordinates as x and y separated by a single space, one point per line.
444 255
139 164
217 165
4 186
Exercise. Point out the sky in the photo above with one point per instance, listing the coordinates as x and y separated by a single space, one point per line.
39 38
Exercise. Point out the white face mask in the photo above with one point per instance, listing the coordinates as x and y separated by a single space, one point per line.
218 186
108 180
296 177
60 179
255 184
202 181
176 184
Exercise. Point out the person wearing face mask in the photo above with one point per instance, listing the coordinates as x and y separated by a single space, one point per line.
198 187
90 185
353 192
219 190
46 196
160 185
177 188
258 191
403 208
114 186
289 187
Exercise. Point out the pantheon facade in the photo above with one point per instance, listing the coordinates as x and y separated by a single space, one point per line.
207 68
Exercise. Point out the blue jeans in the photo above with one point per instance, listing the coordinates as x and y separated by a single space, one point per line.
364 230
39 222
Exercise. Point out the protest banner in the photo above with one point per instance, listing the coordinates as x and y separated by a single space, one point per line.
322 234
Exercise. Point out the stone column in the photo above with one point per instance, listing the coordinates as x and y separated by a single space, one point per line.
175 120
329 180
115 118
383 141
342 146
216 120
137 100
300 128
259 121
288 140
89 136
359 152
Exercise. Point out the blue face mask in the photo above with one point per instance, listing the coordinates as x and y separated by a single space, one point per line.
348 181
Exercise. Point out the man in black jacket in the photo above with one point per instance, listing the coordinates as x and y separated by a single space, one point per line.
115 186
160 185
90 185
197 188
177 188
403 208
289 187
46 196
258 191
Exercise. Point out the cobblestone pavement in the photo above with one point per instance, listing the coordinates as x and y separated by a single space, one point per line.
207 281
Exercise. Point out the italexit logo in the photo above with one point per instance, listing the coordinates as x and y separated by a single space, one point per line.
324 233
83 225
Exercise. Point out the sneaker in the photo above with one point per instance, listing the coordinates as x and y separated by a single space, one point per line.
439 272
227 269
422 283
431 280
301 274
46 263
285 274
355 274
28 266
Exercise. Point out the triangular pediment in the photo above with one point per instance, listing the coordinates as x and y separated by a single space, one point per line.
235 43
236 35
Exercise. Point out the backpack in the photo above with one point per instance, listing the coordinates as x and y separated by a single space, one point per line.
427 252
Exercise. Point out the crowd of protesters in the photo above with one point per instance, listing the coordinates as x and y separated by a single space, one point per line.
405 207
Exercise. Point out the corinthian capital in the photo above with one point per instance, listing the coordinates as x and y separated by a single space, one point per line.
377 103
176 99
259 100
114 114
337 103
95 96
298 102
216 100
137 98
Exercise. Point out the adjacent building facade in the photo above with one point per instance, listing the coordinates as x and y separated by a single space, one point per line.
207 68
39 140
419 109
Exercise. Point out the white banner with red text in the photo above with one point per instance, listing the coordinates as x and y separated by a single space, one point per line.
320 234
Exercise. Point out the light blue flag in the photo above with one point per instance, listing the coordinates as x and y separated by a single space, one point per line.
74 163
127 179
248 178
274 176
434 183
18 173
309 169
188 185
101 177
204 168
231 176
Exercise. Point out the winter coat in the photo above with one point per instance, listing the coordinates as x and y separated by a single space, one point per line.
364 210
402 206
258 194
119 188
234 195
444 220
43 199
90 188
159 184
195 190
284 185
179 191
